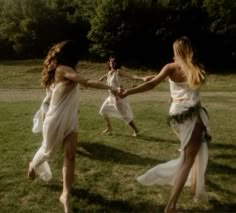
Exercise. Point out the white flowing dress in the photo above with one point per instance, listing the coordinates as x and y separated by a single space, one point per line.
60 108
164 174
114 106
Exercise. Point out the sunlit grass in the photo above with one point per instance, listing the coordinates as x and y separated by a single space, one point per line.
106 165
26 75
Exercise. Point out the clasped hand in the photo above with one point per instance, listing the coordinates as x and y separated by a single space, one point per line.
120 92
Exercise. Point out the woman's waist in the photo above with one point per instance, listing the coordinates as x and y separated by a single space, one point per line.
179 100
180 113
188 99
177 107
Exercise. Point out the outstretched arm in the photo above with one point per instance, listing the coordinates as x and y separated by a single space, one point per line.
103 77
70 74
130 76
166 71
149 77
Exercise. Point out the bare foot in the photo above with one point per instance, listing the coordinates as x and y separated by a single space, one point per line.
107 130
136 133
31 172
64 199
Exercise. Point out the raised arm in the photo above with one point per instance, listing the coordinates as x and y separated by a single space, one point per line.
166 71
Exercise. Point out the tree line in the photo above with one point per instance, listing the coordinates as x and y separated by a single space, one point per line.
135 30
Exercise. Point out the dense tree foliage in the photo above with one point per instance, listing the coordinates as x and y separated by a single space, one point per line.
222 29
31 26
141 30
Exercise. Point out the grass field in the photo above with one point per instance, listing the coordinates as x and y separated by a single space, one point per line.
106 165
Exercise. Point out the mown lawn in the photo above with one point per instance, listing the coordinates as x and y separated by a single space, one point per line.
106 165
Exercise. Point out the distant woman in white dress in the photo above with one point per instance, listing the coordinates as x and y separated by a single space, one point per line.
189 119
57 118
114 106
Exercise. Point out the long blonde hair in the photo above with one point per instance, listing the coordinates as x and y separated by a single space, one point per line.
184 56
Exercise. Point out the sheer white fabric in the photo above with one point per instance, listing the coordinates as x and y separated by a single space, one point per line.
114 106
39 116
60 109
164 174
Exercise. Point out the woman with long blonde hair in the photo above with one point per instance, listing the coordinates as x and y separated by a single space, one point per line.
190 121
57 118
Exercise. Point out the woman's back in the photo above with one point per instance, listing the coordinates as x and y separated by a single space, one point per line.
181 94
176 74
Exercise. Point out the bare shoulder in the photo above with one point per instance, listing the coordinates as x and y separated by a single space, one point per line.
64 68
173 66
63 72
176 74
168 69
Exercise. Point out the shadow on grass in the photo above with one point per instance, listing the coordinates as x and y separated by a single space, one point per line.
218 207
113 205
105 204
222 207
105 153
155 139
225 156
146 138
216 188
222 146
220 169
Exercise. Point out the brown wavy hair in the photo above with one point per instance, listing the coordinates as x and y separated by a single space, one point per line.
117 65
63 53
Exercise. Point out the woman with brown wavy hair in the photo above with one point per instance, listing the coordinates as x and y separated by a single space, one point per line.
114 106
190 120
58 115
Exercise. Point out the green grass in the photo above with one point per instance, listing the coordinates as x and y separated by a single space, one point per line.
106 165
26 74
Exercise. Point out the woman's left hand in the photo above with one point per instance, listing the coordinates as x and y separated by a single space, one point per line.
122 93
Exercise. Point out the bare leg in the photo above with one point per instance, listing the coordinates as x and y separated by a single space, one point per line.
193 184
68 170
108 123
136 131
191 151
